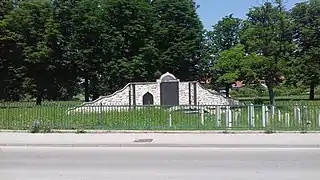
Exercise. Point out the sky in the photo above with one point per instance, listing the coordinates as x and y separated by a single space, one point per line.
211 11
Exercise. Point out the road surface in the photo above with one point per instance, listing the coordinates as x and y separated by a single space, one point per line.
158 163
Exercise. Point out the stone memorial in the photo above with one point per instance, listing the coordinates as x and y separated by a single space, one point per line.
167 91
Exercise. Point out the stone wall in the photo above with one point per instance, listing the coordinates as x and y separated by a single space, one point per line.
125 96
118 98
142 89
207 97
184 93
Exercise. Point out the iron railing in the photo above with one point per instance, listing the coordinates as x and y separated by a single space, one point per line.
59 116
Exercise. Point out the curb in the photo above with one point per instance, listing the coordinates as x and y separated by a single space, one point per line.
159 145
162 132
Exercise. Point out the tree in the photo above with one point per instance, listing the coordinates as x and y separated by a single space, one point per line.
9 83
267 32
111 44
66 83
132 50
225 34
223 37
306 65
33 29
82 39
178 36
5 7
228 67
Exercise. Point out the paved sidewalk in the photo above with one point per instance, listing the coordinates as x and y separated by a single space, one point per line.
159 140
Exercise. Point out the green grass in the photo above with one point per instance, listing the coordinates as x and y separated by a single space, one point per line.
53 115
284 99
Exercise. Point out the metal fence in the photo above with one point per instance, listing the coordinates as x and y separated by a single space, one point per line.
201 117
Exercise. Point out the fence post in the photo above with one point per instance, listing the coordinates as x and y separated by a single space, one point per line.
100 116
318 119
249 115
305 119
273 111
252 115
202 116
287 119
267 115
299 115
237 112
263 116
170 120
228 117
148 117
295 112
218 109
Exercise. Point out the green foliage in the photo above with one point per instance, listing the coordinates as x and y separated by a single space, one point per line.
225 34
228 66
31 28
47 47
305 65
289 91
260 91
54 50
227 57
267 33
178 37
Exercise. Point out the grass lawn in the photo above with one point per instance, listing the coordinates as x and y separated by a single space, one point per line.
53 115
284 100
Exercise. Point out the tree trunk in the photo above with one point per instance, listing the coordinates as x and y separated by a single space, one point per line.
94 88
86 90
39 96
227 91
271 94
312 89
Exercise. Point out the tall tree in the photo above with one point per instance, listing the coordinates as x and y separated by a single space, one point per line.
82 32
223 37
111 43
225 33
306 65
66 81
178 35
11 67
132 52
267 32
228 67
34 30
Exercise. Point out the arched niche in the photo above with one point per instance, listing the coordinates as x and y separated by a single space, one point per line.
147 99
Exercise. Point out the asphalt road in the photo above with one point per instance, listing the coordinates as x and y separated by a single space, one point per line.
145 163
